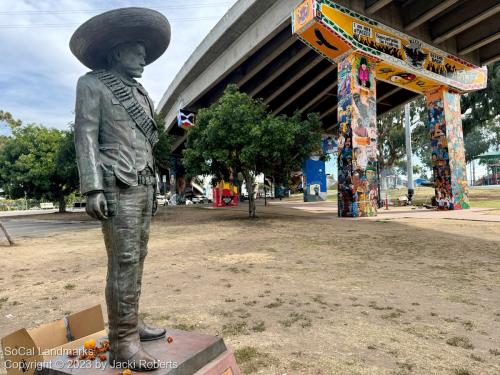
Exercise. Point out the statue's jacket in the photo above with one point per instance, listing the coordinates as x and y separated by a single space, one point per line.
107 140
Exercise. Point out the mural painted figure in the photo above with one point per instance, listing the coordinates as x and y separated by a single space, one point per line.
114 137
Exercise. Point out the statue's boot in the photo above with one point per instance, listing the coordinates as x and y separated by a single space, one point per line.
131 355
125 350
146 332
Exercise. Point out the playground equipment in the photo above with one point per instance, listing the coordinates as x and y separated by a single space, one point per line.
225 195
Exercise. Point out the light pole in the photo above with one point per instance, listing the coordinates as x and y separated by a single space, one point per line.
409 164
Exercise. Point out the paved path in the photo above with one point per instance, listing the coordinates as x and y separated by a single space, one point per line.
34 212
394 213
36 228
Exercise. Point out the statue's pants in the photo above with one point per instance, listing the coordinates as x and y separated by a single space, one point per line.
126 235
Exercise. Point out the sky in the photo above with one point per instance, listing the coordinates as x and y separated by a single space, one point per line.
38 72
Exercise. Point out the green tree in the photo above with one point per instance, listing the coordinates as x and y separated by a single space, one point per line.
238 135
481 109
38 162
289 140
9 120
65 179
476 143
162 150
391 134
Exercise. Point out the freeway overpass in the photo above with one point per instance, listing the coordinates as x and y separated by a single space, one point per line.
253 46
405 47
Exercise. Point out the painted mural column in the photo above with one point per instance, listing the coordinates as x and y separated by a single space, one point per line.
357 146
447 143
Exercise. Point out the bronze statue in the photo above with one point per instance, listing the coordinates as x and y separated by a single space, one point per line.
114 137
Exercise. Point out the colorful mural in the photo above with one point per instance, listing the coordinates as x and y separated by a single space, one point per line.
448 158
365 50
185 118
314 179
335 31
329 145
401 78
456 150
357 144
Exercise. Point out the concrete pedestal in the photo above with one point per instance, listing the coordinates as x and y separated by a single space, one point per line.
190 353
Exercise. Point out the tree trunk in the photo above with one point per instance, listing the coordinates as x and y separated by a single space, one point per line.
62 204
11 242
251 198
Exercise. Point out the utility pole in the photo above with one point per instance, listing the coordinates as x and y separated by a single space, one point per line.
409 164
473 172
265 192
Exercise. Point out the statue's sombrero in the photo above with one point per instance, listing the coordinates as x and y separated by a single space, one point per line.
93 40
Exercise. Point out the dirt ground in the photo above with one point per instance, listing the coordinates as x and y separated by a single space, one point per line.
291 292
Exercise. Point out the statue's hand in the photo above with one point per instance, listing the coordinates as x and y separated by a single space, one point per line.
96 205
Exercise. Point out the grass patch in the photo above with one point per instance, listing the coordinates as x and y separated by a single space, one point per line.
184 326
469 325
251 360
461 342
69 286
373 305
298 318
476 358
462 371
245 354
259 326
243 314
392 315
487 203
406 366
319 299
235 329
277 303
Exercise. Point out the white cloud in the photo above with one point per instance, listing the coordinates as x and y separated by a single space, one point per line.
39 73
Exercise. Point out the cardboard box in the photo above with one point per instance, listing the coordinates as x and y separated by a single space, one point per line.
23 349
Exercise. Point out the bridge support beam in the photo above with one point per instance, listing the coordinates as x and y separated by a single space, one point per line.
357 149
448 153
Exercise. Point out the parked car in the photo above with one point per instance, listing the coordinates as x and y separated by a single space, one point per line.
200 199
161 200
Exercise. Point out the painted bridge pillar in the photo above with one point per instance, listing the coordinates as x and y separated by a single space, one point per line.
447 143
357 146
